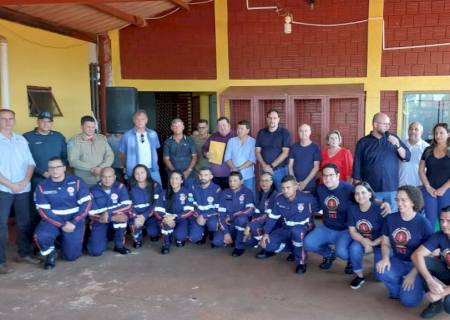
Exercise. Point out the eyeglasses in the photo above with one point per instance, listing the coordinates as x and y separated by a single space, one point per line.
56 167
142 138
328 175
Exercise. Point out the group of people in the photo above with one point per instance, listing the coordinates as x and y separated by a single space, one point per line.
392 198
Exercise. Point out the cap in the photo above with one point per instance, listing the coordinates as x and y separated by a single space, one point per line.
46 115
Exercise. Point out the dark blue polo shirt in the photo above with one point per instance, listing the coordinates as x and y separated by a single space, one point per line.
304 158
272 144
376 162
180 153
44 147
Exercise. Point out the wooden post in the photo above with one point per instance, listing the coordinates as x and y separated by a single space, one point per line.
105 64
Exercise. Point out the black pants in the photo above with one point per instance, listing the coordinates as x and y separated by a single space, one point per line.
439 270
21 203
222 182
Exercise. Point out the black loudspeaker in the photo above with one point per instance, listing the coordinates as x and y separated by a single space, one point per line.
121 104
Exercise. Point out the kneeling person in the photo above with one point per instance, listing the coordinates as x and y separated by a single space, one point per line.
296 211
235 208
111 207
63 202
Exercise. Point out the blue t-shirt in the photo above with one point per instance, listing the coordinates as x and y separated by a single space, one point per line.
406 236
440 240
335 204
304 158
369 224
272 144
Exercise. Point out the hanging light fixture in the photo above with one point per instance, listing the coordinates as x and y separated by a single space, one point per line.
288 24
311 4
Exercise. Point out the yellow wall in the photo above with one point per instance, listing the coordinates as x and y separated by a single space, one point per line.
373 82
46 59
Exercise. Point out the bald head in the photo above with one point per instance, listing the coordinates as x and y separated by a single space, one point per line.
381 123
415 131
304 132
107 177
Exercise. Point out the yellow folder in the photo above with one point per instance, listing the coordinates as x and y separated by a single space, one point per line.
217 150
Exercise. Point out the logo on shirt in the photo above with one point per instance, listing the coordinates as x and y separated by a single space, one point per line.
401 238
300 207
182 198
241 198
71 191
114 197
266 204
364 227
210 200
446 256
332 203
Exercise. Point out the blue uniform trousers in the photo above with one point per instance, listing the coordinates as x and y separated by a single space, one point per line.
393 279
71 242
321 237
152 225
236 229
289 237
197 231
433 206
100 234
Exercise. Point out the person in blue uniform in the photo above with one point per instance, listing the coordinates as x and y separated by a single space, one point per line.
263 207
206 204
404 232
236 209
295 209
63 202
147 199
365 223
111 208
179 213
335 197
435 270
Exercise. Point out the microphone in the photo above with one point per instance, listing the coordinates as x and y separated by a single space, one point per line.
387 134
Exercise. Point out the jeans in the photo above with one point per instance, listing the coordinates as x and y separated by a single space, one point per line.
321 237
277 176
388 197
21 203
250 183
357 254
393 280
433 206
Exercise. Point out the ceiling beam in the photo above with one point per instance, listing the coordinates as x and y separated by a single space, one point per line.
25 19
181 4
120 14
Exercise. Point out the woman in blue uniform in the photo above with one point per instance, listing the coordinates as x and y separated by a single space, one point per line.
147 197
403 232
365 223
179 211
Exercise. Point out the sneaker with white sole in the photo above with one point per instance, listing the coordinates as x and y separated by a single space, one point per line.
357 282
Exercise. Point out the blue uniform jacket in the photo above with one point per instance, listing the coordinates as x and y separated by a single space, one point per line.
59 202
206 201
233 204
116 202
183 204
143 205
297 212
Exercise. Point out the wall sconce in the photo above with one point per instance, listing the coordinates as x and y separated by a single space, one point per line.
288 24
311 4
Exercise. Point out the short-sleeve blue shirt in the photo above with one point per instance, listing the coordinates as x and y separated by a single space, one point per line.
272 143
369 224
304 158
180 153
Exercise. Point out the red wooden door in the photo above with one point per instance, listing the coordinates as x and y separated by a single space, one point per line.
344 116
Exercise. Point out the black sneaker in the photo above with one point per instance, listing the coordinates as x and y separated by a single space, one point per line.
326 263
264 254
237 252
357 282
433 309
290 257
137 244
203 240
50 261
123 250
348 268
154 239
180 244
301 268
164 250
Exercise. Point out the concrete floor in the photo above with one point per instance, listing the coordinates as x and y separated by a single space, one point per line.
194 282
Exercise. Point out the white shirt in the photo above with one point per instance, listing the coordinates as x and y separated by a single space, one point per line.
14 160
409 171
144 152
